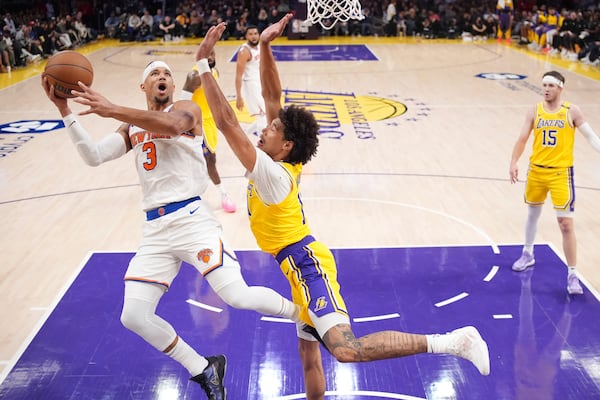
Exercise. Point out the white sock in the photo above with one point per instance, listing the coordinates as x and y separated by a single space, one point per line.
186 356
572 270
533 215
290 310
221 189
438 344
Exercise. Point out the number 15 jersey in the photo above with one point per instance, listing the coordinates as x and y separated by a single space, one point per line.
553 137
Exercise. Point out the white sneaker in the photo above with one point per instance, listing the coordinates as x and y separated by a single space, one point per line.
467 343
573 285
526 260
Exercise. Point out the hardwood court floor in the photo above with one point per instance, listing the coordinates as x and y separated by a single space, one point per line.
415 154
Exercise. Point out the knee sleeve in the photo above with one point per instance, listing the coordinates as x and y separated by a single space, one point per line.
138 315
236 295
258 298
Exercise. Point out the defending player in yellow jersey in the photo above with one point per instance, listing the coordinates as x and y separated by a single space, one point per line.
192 90
280 226
553 123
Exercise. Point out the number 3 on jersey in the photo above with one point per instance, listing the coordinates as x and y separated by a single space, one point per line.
549 138
150 150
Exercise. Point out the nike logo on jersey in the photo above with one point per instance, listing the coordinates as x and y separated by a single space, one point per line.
194 210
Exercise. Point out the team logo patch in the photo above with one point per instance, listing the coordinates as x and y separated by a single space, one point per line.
204 255
320 304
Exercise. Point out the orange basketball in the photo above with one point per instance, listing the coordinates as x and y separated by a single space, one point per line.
64 69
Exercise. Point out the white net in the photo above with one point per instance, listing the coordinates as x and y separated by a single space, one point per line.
328 12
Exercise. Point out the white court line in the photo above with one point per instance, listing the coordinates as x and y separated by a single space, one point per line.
40 323
581 278
205 306
377 317
381 395
492 273
452 299
275 319
493 244
502 316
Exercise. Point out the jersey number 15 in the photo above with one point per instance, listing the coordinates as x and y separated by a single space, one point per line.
549 138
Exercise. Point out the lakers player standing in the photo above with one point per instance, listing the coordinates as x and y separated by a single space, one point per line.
167 142
553 123
280 227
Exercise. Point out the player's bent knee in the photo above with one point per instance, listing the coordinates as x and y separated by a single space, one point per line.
132 318
235 299
346 355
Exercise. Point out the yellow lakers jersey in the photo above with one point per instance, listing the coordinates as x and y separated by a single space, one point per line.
209 127
554 20
276 226
505 5
553 137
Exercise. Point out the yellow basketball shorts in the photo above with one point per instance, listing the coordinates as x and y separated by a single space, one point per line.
559 182
311 271
209 128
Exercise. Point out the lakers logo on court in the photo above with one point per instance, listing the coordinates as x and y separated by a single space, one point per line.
338 114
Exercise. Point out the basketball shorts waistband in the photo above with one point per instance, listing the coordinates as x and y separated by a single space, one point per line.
291 249
549 167
168 208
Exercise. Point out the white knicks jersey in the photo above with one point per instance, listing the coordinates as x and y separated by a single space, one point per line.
252 71
170 169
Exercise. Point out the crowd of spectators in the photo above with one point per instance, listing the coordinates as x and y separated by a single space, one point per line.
38 29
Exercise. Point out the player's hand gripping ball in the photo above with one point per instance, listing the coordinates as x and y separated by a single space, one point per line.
64 69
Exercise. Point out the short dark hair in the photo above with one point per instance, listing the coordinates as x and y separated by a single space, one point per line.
555 74
300 127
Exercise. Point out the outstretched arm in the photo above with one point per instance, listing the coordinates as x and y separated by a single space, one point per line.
222 111
182 118
92 153
269 75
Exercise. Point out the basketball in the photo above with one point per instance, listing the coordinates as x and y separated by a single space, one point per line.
64 69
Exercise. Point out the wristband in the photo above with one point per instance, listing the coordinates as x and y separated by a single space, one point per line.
185 95
202 66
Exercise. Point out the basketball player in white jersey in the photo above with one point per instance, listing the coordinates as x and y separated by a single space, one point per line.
247 81
167 142
278 222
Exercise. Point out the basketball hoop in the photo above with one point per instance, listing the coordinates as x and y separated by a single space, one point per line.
328 12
